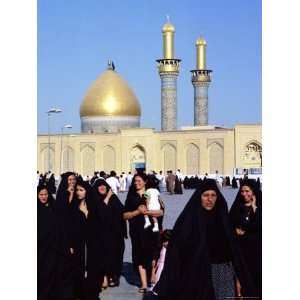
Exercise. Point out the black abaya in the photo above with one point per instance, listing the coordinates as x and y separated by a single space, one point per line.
234 183
67 218
107 230
144 241
54 266
245 218
178 186
187 272
186 182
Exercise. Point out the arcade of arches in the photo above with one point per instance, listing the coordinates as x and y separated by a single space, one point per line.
193 151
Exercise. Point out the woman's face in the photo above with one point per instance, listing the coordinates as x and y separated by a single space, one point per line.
43 196
139 183
208 199
71 180
102 189
80 192
247 193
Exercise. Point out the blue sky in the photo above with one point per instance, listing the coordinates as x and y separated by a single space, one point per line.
76 38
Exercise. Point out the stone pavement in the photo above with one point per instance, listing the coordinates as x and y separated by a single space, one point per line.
129 283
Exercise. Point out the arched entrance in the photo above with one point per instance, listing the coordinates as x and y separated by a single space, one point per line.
138 159
253 154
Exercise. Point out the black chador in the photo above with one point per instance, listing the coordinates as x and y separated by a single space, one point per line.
106 233
250 222
55 267
203 253
178 186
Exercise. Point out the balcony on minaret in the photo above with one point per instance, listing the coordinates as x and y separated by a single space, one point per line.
168 65
201 75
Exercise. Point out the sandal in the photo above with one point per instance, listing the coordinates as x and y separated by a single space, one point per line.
142 290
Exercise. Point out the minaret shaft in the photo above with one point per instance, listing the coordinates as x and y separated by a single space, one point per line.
201 103
201 80
168 70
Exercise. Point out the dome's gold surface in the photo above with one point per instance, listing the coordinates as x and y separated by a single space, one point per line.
168 27
110 95
201 42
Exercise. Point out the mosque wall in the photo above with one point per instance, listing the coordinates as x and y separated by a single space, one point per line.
248 144
191 151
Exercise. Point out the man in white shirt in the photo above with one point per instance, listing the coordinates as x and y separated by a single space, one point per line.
113 182
179 175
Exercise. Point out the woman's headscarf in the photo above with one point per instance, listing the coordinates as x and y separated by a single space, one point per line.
115 212
98 182
254 186
239 201
50 198
187 273
89 197
62 195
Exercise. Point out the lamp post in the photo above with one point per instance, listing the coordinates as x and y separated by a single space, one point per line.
68 126
49 112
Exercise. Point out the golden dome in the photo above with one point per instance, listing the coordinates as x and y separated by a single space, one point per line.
201 42
110 95
168 27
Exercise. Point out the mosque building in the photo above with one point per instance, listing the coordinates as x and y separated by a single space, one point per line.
111 137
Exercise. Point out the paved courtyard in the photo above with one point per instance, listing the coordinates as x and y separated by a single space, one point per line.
128 289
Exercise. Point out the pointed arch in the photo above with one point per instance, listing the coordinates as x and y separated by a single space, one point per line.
169 157
253 153
137 157
48 159
67 159
87 160
109 159
216 158
192 159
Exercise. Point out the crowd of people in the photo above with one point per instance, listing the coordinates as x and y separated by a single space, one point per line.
211 253
170 182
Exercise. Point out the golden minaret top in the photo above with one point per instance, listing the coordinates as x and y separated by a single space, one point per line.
168 39
201 53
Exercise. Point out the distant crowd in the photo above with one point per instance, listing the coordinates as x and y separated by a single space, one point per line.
169 182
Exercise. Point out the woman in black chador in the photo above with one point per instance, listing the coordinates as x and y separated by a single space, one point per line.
107 230
143 240
186 183
51 184
178 185
65 209
234 183
45 238
54 264
246 218
227 181
78 214
203 257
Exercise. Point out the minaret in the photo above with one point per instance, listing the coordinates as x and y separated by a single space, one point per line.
200 81
168 71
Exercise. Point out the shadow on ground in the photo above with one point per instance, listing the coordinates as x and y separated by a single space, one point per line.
130 276
150 296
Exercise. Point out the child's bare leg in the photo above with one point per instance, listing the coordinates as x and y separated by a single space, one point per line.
155 228
147 220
